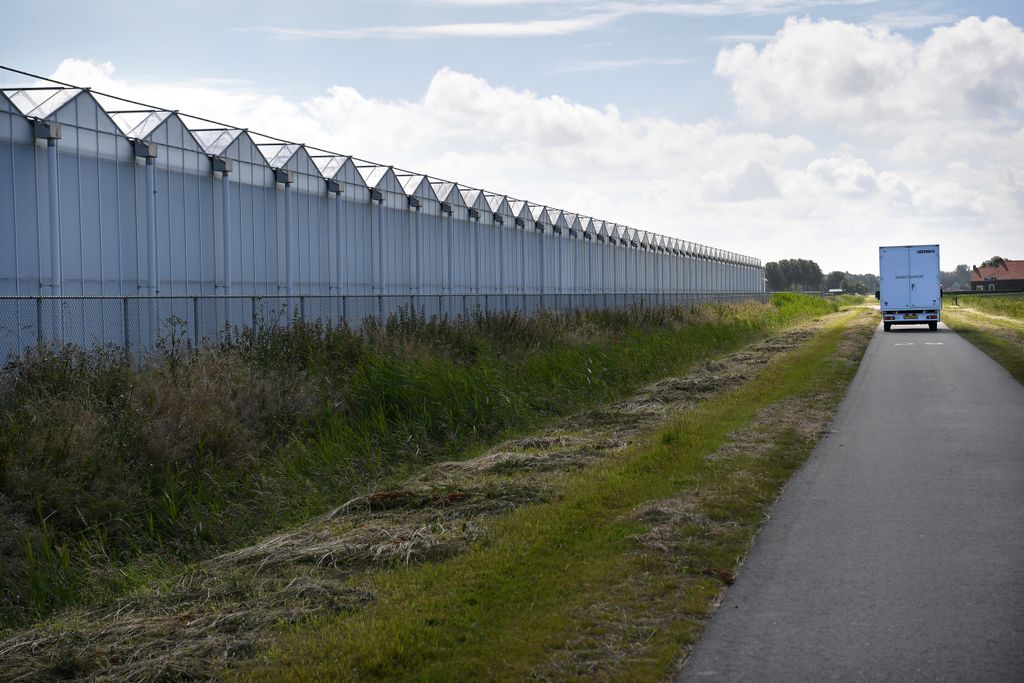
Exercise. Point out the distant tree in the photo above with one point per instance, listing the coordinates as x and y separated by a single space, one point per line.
955 279
773 275
799 274
866 283
810 274
834 280
994 261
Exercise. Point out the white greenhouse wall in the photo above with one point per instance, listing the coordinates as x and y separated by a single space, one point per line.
165 209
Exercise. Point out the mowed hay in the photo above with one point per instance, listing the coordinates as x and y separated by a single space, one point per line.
676 543
204 622
225 610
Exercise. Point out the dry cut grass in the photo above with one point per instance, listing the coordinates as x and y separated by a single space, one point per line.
227 608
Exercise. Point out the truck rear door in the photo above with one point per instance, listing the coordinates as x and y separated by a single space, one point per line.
924 276
895 285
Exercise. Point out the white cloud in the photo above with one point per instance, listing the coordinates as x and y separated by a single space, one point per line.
866 77
593 15
491 29
751 180
933 130
846 175
897 20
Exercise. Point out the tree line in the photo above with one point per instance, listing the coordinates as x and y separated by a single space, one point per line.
805 275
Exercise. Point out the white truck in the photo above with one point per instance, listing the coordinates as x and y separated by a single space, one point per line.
910 291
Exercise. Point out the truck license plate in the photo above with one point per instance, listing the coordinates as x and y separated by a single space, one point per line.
910 316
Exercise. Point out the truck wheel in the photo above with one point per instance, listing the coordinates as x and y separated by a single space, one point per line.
933 326
886 326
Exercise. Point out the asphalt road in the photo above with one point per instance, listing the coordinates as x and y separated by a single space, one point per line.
897 552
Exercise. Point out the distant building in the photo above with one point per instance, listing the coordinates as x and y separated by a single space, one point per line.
1007 277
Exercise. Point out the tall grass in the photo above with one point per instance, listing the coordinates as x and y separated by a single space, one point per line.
108 465
1009 305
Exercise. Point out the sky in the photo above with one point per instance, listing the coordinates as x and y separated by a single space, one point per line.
773 128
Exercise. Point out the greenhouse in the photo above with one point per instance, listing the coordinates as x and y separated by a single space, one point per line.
116 217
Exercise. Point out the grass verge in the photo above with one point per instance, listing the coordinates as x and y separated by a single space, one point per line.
613 578
1008 305
1001 337
115 475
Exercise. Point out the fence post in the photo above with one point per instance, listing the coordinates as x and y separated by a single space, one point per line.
252 305
302 309
195 320
124 321
344 309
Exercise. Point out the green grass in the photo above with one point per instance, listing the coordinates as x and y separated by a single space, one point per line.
554 572
1008 305
848 300
115 474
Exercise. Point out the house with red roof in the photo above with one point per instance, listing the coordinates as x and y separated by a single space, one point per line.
1005 277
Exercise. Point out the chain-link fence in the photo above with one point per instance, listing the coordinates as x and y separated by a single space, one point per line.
137 323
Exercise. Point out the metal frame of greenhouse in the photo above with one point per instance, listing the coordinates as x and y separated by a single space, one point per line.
107 200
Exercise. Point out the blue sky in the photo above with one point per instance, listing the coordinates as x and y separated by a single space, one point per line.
778 128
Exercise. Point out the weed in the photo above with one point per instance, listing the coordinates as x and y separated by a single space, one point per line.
192 452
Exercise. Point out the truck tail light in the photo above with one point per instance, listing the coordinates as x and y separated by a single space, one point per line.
933 317
888 317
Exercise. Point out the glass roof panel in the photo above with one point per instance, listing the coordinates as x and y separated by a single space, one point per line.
127 120
372 173
410 182
494 201
54 103
329 165
216 140
471 197
139 124
442 188
519 207
42 102
538 213
277 154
